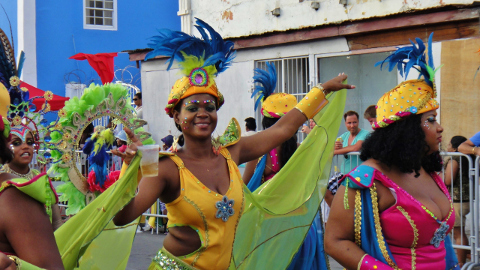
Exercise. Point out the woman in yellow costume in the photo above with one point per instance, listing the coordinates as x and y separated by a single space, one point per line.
205 195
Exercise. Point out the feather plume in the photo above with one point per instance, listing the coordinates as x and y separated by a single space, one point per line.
190 51
267 82
414 56
88 147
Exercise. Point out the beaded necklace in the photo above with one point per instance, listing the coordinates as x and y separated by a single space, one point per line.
28 175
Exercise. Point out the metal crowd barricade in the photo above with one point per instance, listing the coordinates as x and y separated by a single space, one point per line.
473 178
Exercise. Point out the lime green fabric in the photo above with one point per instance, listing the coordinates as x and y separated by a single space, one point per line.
94 222
279 213
38 188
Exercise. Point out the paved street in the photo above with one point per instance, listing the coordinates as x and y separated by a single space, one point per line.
146 246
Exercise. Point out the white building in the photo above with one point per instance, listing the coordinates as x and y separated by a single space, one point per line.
313 41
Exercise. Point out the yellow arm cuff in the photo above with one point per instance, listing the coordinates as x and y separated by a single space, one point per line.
313 102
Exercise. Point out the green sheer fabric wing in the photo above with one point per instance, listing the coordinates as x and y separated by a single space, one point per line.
80 235
110 249
279 213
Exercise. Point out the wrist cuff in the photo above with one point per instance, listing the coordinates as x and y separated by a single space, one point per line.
313 102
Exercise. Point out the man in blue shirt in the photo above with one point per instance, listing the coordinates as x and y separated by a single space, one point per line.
351 141
471 146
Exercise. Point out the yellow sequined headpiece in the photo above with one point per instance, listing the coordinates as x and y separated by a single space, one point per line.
413 96
277 105
200 61
409 97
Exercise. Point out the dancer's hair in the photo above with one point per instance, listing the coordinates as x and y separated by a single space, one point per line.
288 147
402 144
6 155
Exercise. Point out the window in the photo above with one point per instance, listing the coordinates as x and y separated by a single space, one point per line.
100 14
371 82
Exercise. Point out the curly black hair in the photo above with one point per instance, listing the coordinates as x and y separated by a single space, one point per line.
288 147
402 144
6 155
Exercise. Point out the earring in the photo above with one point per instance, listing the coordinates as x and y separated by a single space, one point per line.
175 144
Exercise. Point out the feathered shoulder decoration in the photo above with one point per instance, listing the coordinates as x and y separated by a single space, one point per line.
417 56
266 82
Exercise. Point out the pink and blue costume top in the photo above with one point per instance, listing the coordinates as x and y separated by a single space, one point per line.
407 235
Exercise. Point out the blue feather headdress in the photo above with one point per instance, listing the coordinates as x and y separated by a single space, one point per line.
418 57
200 60
274 105
211 50
267 82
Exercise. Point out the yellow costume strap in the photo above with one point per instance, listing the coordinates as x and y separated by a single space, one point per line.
313 102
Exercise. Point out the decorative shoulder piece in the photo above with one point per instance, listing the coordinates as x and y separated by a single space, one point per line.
231 135
361 177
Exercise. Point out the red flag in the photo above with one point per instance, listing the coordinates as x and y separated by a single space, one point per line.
101 62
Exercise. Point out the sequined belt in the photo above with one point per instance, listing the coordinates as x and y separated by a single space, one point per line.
164 260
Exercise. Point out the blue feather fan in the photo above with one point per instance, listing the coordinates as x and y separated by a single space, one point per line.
414 56
211 47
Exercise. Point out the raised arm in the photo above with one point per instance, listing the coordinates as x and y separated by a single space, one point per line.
149 188
254 146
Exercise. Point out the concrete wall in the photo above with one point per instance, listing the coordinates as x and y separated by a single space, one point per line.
239 18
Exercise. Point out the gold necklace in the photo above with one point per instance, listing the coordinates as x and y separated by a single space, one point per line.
28 176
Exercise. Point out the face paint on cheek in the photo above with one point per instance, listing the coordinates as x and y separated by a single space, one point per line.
425 124
185 123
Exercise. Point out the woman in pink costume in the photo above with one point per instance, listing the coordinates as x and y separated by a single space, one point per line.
393 211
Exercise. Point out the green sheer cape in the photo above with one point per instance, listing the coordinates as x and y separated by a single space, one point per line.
279 213
112 245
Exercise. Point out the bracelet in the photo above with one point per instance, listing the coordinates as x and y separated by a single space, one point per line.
313 102
473 150
16 261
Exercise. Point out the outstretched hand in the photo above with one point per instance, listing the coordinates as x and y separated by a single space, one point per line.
131 149
336 84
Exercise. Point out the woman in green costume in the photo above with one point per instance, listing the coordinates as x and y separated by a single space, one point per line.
26 234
